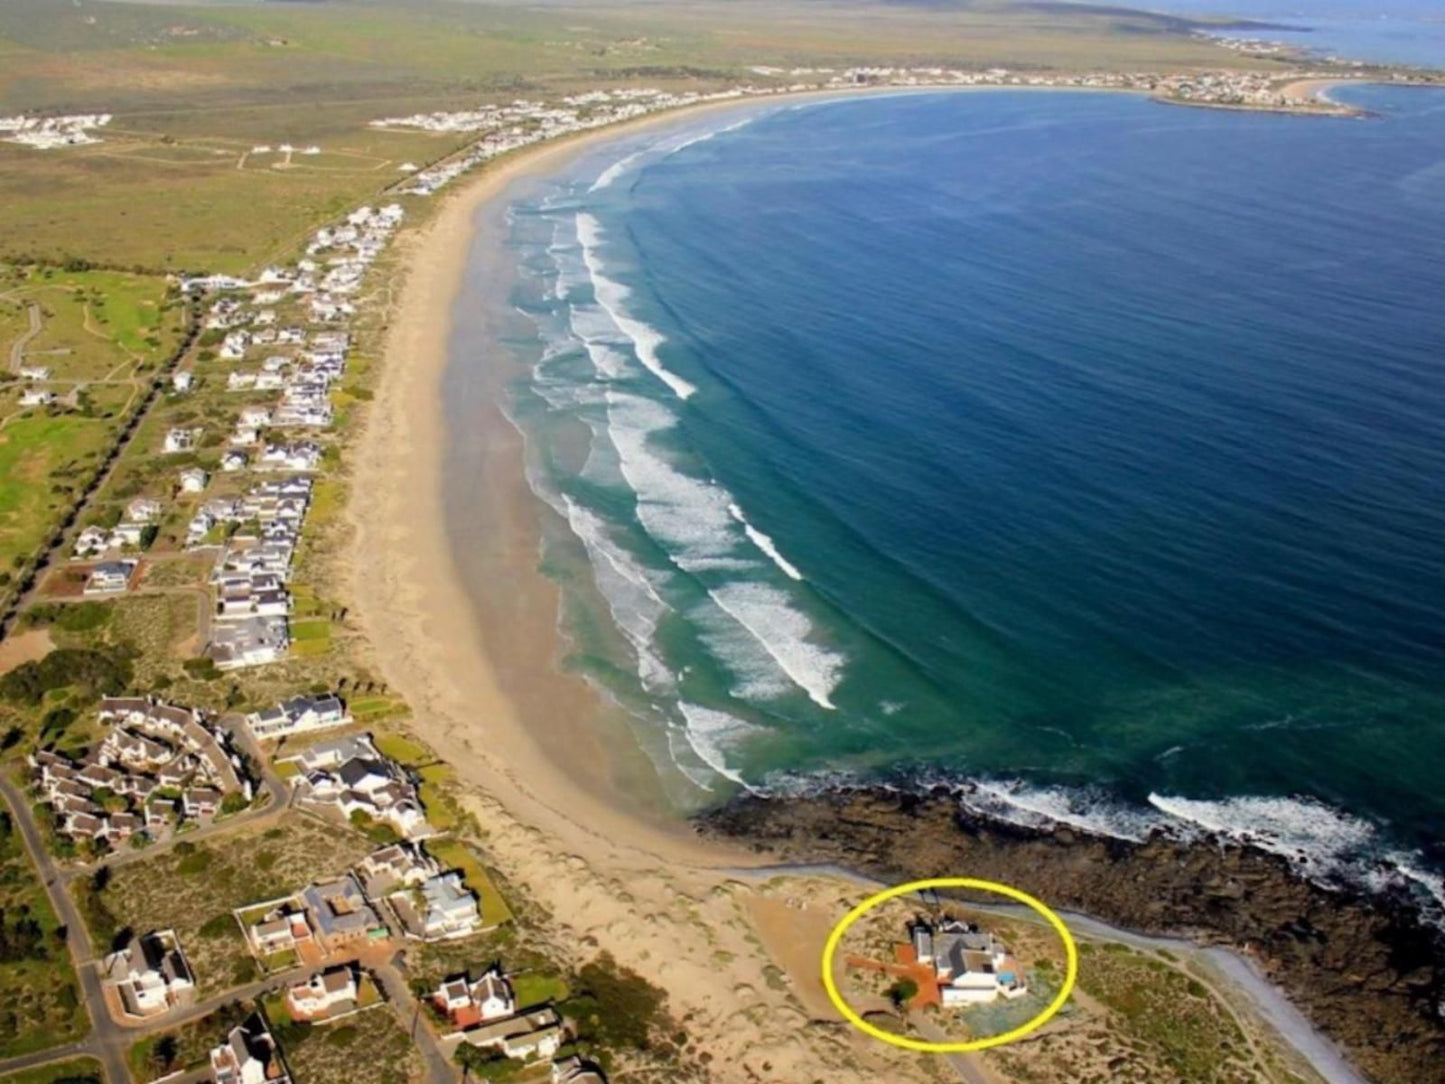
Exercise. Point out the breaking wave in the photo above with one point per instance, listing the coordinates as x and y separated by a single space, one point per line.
612 297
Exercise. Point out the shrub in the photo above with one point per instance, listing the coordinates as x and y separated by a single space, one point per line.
617 1007
96 673
218 926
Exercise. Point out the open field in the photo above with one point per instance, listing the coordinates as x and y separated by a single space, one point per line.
41 1005
330 1054
195 87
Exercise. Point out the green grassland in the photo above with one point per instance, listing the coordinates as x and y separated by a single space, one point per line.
194 86
41 1006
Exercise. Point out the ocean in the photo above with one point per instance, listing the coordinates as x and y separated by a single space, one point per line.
1082 451
1379 31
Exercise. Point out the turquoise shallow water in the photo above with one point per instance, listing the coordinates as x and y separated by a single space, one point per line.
1085 449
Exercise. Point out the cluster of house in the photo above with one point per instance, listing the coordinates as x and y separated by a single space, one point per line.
1256 90
349 775
971 966
484 1012
522 123
251 623
159 766
131 534
399 888
47 133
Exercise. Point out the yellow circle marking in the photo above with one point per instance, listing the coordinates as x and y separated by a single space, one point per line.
1071 968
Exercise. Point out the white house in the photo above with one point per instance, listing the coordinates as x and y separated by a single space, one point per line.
34 372
90 541
180 440
298 715
446 908
326 993
973 967
150 975
143 510
468 1003
193 480
109 577
233 460
247 1056
36 397
573 1070
181 382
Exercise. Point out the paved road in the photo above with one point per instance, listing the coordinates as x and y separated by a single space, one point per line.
107 1042
439 1068
965 1065
17 348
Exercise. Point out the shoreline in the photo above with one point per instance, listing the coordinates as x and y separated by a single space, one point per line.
484 682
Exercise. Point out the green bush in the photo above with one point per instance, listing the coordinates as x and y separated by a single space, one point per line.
618 1008
95 673
218 926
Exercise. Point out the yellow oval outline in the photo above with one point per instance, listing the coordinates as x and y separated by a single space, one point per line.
1071 967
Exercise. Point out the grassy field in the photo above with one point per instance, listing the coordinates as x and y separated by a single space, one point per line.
40 1006
74 1071
194 893
331 1054
194 87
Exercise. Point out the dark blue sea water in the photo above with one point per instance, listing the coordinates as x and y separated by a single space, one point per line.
1083 447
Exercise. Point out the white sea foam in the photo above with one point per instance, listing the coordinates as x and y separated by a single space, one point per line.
1015 802
765 543
612 297
615 170
783 632
712 734
1299 828
636 606
705 136
691 519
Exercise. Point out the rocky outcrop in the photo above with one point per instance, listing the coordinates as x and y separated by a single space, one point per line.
1366 970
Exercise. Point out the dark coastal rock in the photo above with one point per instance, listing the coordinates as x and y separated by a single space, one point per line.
1365 969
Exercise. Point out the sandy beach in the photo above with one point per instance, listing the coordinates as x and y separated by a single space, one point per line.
487 694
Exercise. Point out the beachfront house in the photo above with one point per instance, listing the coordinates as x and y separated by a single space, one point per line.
973 967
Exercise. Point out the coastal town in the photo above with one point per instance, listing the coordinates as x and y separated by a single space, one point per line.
259 872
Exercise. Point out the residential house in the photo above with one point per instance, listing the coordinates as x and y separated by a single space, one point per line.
181 382
247 1055
972 966
143 510
340 913
573 1070
533 1034
298 715
36 397
401 865
467 1003
150 975
180 440
91 541
282 930
326 994
109 577
193 480
440 909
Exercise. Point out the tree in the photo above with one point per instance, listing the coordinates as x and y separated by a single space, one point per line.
902 992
